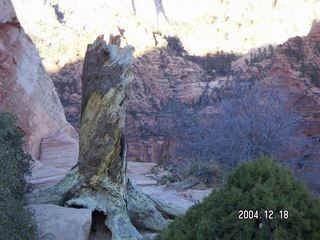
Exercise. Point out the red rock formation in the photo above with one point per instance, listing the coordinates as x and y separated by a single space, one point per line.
25 87
148 150
295 67
159 75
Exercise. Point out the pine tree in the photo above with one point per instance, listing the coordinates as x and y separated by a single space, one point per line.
16 222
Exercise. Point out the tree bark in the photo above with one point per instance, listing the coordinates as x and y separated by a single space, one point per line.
99 181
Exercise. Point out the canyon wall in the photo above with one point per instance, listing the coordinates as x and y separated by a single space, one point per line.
25 87
61 33
294 67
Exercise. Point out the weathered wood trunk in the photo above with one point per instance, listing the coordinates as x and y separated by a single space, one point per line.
99 180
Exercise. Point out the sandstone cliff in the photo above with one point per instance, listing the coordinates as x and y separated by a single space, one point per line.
294 67
25 87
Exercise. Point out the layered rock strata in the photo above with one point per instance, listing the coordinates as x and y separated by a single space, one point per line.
59 153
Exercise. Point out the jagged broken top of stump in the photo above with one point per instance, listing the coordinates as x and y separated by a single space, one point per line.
99 55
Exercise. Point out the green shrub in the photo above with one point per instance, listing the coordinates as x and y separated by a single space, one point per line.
15 221
260 185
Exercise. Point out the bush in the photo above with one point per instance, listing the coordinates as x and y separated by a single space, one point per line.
190 171
15 221
138 159
261 185
207 172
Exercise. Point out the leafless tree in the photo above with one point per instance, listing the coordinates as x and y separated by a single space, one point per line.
255 120
251 120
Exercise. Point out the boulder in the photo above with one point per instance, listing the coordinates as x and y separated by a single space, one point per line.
62 223
25 87
45 176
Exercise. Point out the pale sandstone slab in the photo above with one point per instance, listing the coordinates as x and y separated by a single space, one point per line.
59 153
61 223
59 150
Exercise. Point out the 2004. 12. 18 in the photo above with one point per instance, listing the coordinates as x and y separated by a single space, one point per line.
266 214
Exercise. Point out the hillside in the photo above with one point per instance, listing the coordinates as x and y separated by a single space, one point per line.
212 26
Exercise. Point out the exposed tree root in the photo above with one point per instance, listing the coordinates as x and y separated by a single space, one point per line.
124 211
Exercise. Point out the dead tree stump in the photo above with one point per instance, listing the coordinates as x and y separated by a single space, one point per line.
99 182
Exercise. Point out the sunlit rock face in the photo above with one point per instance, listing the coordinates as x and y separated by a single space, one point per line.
61 29
25 87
